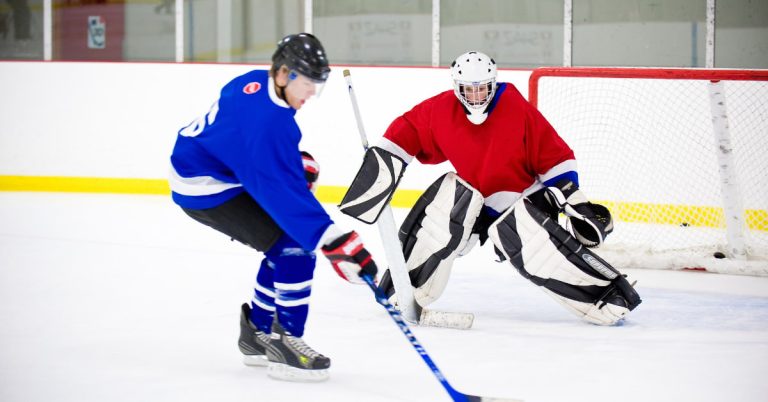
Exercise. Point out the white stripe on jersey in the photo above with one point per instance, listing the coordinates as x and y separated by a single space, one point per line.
502 200
388 145
199 185
557 170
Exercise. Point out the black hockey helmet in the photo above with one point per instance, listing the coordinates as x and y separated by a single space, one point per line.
304 54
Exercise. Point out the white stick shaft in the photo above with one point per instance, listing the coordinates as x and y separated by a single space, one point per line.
388 232
358 119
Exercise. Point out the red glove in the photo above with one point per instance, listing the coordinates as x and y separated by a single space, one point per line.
349 258
311 170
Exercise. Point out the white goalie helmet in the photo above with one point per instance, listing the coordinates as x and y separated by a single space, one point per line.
474 83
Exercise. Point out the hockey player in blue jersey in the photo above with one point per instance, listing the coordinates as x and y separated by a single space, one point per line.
239 170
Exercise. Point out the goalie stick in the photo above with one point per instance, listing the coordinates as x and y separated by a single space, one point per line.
397 266
455 395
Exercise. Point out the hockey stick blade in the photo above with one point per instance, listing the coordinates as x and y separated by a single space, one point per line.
456 396
446 319
472 398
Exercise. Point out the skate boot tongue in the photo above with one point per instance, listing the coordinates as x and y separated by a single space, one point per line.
308 356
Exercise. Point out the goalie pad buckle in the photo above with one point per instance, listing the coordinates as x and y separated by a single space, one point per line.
374 185
436 229
547 255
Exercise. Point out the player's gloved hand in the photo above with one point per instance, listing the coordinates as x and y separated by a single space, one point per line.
590 223
311 170
349 258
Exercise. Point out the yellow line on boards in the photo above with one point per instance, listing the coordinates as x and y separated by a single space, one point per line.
325 194
669 214
333 195
84 185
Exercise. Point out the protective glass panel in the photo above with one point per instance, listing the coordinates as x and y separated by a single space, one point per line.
239 30
132 30
741 37
515 33
647 33
375 32
21 30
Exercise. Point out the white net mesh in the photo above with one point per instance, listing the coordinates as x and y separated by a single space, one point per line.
646 149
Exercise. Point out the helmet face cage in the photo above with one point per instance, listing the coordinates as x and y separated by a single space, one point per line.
475 95
474 83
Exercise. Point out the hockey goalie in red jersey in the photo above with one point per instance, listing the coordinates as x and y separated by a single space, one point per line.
514 176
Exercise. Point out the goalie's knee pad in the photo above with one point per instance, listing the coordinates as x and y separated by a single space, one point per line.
436 229
374 185
547 255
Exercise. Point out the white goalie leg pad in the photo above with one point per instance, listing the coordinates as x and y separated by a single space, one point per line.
436 229
374 185
609 314
547 255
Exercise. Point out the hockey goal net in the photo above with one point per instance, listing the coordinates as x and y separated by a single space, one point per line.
679 156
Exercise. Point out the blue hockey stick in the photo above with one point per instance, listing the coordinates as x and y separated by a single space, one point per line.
395 314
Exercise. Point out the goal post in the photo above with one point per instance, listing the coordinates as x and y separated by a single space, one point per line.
679 156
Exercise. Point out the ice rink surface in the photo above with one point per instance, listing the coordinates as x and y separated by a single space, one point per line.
124 298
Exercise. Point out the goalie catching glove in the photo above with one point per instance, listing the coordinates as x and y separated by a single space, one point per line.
589 223
349 258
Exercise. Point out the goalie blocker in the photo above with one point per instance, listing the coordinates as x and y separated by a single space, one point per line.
547 255
373 186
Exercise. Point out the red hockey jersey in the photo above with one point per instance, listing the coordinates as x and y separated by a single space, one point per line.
510 154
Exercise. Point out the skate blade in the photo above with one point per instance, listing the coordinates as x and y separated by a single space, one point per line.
284 372
446 319
255 360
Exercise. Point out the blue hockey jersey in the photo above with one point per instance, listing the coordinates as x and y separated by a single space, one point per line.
248 141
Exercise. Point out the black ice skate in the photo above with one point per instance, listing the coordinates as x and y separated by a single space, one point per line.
252 342
291 359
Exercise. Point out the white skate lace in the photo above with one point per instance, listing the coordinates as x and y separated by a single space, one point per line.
303 348
263 337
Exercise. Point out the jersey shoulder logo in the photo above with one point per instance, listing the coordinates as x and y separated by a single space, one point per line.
251 88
